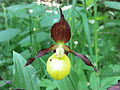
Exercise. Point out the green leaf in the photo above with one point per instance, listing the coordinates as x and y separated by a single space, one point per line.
49 20
38 10
39 37
21 11
8 34
16 8
112 4
24 77
68 83
48 84
2 83
109 81
1 14
82 84
88 2
94 81
26 54
21 14
112 23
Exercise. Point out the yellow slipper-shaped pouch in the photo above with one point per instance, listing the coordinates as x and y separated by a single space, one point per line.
58 67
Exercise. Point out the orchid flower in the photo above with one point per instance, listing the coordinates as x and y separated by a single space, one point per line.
58 65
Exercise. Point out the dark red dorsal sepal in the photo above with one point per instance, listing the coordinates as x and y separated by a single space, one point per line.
60 32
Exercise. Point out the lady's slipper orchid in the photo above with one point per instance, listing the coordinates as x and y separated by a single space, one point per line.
58 65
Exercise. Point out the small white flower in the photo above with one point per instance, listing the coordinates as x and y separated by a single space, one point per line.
101 27
112 13
75 42
66 7
92 21
55 20
30 11
34 29
88 83
38 2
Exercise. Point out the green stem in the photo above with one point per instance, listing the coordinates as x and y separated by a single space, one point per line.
31 32
95 32
6 20
5 15
43 61
30 22
72 22
96 38
67 2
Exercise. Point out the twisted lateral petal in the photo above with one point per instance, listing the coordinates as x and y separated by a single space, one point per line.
41 53
60 32
85 60
83 57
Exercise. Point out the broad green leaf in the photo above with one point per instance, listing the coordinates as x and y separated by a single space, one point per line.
2 83
26 54
23 11
107 71
48 84
24 77
109 81
1 14
112 4
21 14
15 8
49 20
94 81
101 88
8 34
38 10
112 23
39 37
116 68
83 83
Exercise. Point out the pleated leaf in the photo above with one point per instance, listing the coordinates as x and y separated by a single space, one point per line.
24 77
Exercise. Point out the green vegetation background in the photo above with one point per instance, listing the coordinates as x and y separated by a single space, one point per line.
25 29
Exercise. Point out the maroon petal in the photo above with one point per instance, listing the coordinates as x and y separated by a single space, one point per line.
60 32
115 87
29 61
83 57
85 60
41 53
